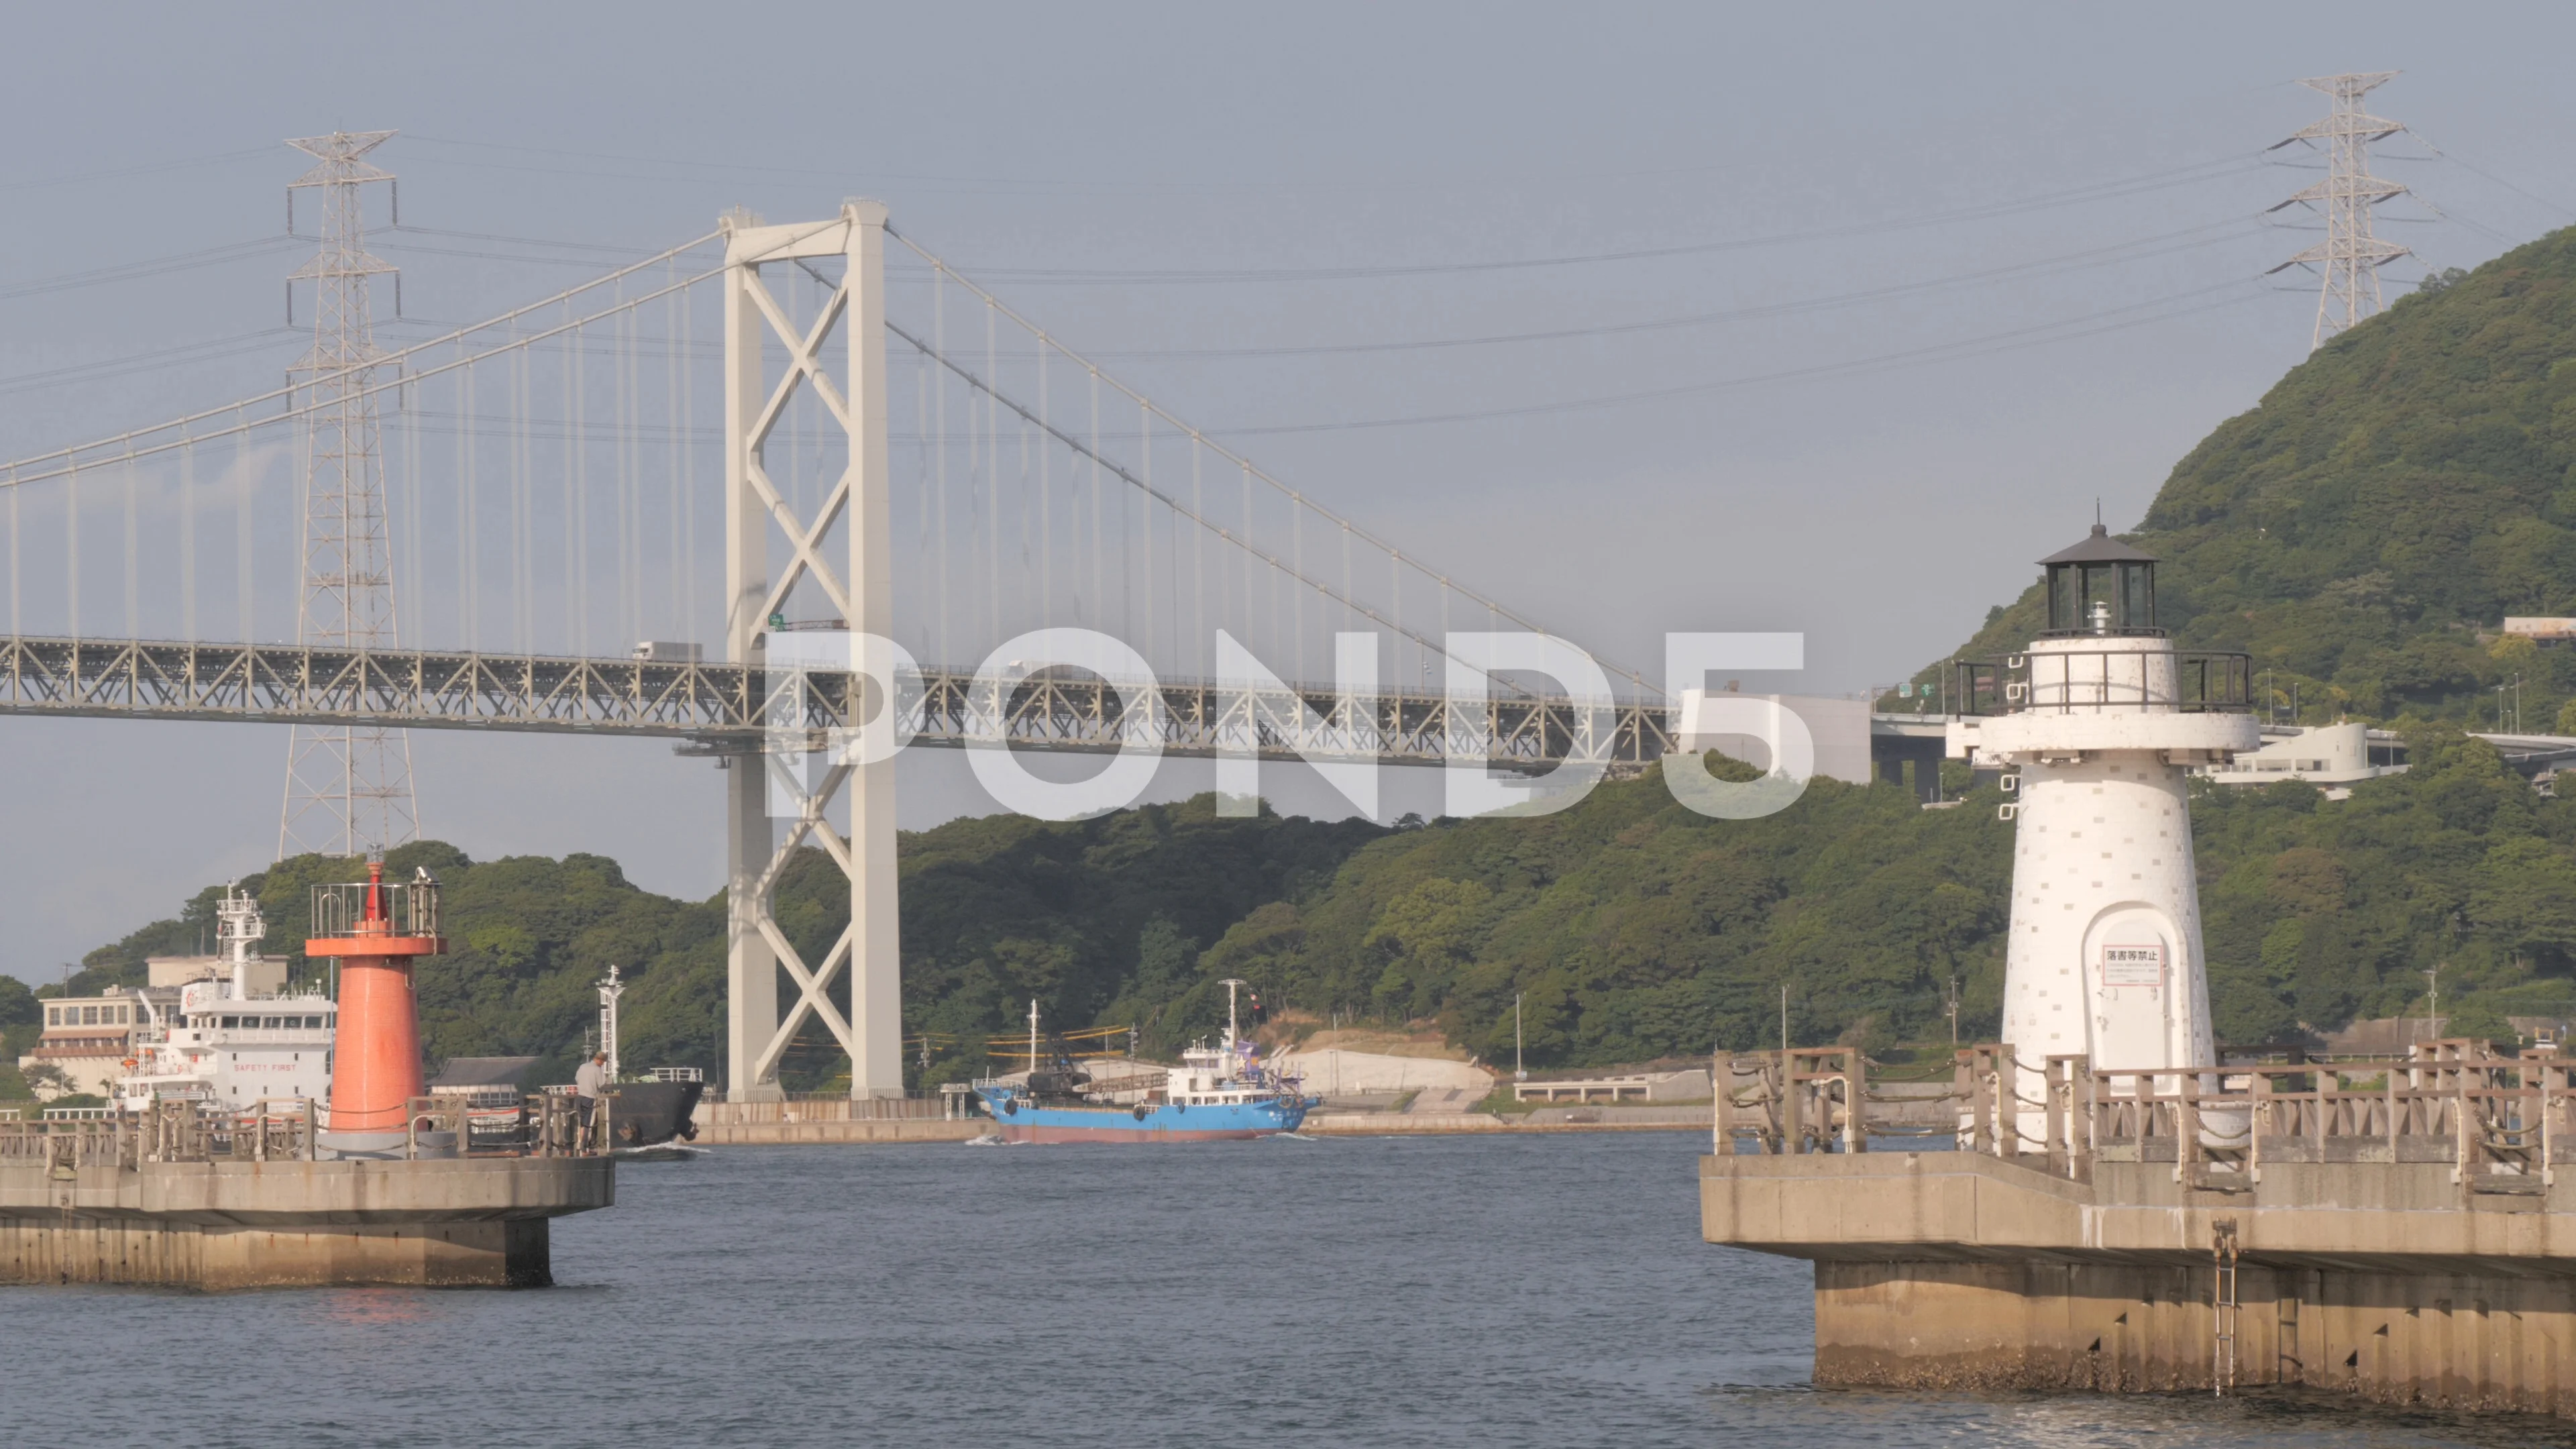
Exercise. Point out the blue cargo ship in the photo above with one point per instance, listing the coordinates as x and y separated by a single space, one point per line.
1216 1094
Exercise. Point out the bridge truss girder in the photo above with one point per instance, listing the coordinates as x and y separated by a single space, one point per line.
728 709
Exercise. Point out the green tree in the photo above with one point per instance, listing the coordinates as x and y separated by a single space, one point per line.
18 1005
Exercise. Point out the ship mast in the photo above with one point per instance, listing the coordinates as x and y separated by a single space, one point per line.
1033 1036
609 990
238 931
1232 1030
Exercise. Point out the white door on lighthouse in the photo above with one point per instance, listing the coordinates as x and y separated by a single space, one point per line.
2132 977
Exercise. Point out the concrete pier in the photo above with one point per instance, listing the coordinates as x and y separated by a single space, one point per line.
832 1120
221 1225
181 1197
2404 1237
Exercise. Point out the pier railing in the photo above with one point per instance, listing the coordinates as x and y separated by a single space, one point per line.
295 1128
270 1130
2502 1124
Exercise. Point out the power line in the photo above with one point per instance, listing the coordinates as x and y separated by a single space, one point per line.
1944 351
211 350
155 168
419 250
526 241
731 168
2470 166
2074 261
2099 191
153 267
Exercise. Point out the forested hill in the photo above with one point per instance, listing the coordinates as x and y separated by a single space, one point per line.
1095 919
2392 497
1631 927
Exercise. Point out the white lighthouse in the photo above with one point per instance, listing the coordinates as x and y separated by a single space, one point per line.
2101 721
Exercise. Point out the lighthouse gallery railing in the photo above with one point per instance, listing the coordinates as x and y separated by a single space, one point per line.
2187 681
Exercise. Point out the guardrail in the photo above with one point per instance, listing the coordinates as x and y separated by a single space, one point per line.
2502 1124
292 1128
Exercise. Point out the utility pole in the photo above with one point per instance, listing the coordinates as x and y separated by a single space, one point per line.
1954 1010
2433 1002
348 791
2350 257
1519 1072
1784 1017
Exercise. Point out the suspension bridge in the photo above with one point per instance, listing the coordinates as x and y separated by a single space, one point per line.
772 493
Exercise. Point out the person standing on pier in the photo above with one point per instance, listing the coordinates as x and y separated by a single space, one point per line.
586 1085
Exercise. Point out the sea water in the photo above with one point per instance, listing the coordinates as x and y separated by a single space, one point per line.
1485 1291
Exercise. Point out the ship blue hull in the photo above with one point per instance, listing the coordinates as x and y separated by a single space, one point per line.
1022 1121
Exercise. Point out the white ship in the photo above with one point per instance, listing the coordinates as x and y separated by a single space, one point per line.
225 1045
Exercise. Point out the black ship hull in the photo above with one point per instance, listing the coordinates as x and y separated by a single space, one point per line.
645 1113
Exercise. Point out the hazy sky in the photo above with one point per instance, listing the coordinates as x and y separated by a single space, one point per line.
1998 261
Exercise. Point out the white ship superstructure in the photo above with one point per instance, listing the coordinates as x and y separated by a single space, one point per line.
224 1043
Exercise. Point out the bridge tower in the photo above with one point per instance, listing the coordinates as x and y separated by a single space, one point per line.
783 779
2102 727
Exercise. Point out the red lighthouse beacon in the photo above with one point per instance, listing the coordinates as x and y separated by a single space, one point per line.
375 930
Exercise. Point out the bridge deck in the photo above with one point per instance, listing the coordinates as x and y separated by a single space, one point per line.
731 708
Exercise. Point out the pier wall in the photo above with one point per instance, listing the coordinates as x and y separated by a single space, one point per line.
2459 1340
2388 1280
226 1225
164 1254
1544 1119
838 1120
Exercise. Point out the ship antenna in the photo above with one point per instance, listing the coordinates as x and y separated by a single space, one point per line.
1231 984
609 990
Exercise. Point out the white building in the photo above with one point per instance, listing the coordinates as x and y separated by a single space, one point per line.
2334 755
2541 630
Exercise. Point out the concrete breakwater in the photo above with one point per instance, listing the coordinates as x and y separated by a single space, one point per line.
221 1225
2398 1231
1964 1271
833 1120
177 1198
1679 1118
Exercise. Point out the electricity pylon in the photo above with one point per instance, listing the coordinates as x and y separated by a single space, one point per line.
2350 257
348 791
